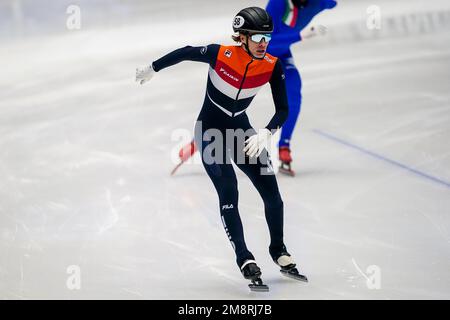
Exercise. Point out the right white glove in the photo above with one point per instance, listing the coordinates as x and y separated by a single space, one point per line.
257 142
144 74
314 31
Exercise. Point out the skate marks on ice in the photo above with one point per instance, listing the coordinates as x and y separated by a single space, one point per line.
383 158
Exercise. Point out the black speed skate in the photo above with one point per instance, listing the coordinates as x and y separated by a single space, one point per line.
292 272
252 272
288 267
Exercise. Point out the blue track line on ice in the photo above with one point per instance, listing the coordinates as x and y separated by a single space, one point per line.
380 157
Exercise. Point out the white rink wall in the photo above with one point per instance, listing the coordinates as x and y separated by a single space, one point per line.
23 18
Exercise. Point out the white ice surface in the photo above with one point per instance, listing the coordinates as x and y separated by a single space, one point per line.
85 156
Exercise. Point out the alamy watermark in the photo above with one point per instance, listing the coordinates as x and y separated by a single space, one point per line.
73 21
73 282
221 147
372 275
373 21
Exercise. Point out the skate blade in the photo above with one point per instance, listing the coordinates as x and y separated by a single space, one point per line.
176 168
259 287
288 172
298 277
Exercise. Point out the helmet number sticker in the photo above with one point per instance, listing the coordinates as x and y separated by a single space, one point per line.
238 22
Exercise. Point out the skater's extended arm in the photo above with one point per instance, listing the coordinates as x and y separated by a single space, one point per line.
207 54
278 86
303 11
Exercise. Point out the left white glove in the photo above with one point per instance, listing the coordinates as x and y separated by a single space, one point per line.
256 143
144 74
318 30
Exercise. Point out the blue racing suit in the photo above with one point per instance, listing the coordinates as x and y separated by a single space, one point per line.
289 19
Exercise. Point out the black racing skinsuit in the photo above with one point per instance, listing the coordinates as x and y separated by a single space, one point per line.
217 152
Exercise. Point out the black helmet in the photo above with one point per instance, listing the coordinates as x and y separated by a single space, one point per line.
253 19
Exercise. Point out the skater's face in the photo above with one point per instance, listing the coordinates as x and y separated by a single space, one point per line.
257 44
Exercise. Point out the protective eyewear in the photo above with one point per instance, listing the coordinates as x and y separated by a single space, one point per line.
257 37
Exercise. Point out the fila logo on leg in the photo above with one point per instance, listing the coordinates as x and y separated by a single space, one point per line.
227 206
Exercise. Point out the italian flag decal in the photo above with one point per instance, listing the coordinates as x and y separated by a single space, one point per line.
290 14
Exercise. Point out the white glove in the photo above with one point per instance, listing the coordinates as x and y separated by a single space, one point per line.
144 74
256 143
313 31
